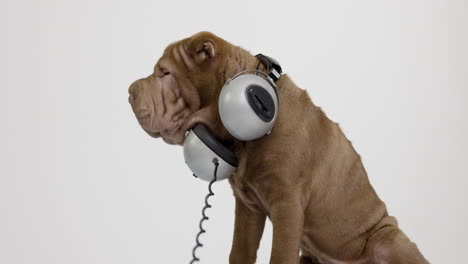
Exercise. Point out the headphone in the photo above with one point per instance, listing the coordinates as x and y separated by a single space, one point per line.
248 107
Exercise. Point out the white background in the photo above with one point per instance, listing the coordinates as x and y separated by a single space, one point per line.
80 182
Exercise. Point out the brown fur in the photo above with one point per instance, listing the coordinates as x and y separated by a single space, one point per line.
305 176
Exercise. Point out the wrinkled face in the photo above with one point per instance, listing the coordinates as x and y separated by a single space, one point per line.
166 101
158 103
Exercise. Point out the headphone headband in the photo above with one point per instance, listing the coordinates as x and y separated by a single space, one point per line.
273 67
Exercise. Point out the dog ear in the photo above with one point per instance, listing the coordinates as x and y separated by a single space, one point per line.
202 47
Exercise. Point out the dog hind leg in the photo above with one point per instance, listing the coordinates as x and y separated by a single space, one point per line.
390 245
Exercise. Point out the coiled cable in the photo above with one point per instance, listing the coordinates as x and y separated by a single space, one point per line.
204 217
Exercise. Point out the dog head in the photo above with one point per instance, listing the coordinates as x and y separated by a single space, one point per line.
184 87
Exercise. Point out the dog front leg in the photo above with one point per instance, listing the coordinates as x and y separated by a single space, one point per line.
287 218
248 230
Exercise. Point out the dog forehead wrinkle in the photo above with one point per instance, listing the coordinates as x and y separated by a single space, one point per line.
168 52
173 60
162 64
186 59
176 54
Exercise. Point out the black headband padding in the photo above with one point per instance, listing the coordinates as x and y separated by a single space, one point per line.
206 137
270 64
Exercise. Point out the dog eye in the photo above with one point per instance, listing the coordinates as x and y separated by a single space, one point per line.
164 72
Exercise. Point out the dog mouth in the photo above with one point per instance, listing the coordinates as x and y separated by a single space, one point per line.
163 118
177 135
143 114
172 131
176 132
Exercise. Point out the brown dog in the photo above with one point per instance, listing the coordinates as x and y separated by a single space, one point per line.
305 176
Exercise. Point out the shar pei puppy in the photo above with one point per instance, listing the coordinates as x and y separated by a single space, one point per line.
305 176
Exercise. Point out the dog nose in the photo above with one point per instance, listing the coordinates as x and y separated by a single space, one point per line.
131 99
133 91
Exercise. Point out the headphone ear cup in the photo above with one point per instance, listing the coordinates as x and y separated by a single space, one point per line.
248 106
200 148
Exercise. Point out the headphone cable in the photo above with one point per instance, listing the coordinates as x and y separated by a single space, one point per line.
204 217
